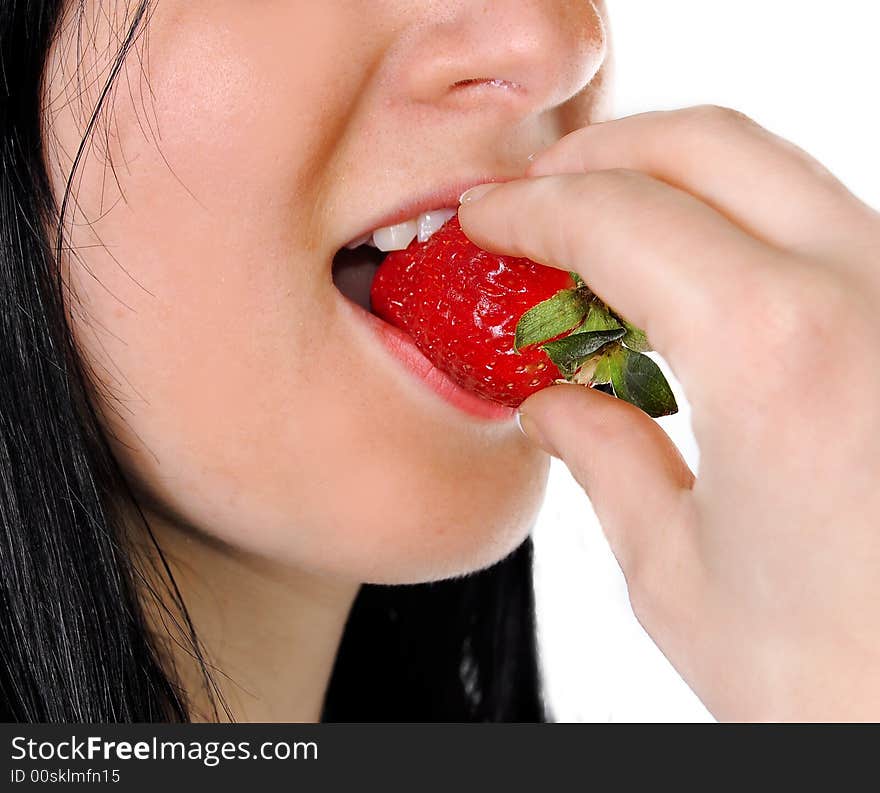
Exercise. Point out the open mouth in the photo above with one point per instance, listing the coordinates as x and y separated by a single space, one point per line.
354 268
353 272
355 264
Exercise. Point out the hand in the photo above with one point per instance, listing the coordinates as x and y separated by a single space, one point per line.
757 275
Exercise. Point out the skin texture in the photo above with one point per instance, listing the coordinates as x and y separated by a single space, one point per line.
280 454
758 579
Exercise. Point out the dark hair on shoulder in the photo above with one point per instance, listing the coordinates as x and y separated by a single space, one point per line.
74 639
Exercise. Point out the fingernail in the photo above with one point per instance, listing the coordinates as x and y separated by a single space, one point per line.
528 428
468 196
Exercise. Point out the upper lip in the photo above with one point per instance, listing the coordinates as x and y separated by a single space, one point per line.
438 198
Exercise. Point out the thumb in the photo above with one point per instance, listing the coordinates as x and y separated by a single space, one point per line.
631 470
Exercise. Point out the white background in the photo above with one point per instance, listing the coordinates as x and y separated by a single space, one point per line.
808 71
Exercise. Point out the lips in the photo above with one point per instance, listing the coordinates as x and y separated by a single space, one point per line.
412 208
357 259
401 347
354 267
355 264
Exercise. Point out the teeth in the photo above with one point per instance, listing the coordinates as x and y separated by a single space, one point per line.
359 241
429 222
395 238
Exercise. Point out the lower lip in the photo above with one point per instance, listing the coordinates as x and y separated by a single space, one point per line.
402 347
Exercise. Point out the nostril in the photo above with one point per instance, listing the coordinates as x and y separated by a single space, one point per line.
516 60
490 82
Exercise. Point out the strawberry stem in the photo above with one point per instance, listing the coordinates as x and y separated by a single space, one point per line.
571 353
601 347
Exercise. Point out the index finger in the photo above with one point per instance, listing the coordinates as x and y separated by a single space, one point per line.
763 183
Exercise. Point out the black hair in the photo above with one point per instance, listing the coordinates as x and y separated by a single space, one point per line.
75 644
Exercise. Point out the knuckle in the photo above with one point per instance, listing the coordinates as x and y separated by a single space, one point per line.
693 133
813 374
650 590
641 588
801 319
790 330
718 115
785 312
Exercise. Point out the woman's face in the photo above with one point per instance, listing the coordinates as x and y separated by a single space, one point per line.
243 145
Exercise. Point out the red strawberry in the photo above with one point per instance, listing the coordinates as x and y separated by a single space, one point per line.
506 327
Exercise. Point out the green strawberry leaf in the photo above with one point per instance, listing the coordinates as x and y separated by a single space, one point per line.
602 373
577 279
571 352
638 380
635 338
558 314
600 318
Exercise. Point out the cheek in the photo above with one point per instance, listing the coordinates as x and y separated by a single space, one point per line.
233 397
331 483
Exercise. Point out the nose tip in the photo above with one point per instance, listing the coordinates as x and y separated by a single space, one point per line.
534 54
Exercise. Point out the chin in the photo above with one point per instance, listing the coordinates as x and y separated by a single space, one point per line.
446 536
